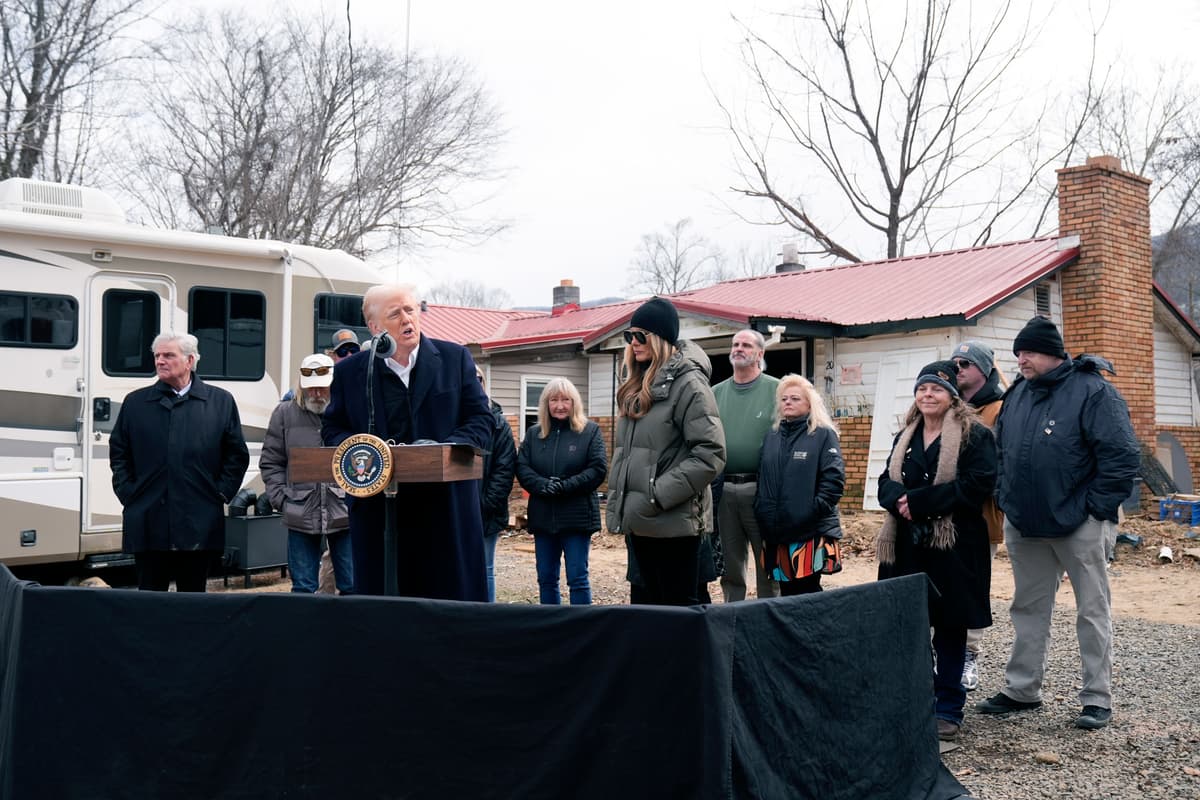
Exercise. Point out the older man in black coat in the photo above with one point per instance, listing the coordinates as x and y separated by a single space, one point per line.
426 390
177 455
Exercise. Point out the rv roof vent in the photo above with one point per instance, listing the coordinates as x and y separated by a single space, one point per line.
58 200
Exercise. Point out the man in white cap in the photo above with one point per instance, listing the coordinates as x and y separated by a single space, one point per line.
310 510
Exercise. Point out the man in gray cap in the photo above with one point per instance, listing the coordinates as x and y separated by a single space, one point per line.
1068 459
982 387
343 345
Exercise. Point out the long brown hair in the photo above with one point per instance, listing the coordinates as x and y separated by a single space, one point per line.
633 395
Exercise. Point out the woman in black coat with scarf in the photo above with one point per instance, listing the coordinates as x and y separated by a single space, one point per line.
941 470
561 463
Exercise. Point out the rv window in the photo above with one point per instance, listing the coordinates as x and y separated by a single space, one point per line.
131 321
38 320
230 326
334 312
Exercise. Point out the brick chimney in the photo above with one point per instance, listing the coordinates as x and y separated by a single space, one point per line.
1108 298
566 298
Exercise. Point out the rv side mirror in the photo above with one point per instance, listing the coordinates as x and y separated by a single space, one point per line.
101 409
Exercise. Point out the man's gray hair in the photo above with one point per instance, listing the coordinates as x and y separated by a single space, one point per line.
761 343
188 345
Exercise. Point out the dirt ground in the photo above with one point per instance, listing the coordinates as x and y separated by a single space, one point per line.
1142 586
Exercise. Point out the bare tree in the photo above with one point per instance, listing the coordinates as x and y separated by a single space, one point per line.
903 122
747 261
287 131
470 294
55 55
674 259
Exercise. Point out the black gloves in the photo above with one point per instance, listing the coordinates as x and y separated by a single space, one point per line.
552 487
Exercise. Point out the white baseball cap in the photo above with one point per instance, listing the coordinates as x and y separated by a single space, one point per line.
316 370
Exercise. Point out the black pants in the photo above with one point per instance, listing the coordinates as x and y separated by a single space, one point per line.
670 570
801 586
188 568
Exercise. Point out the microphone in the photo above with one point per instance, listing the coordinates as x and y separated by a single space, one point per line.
383 346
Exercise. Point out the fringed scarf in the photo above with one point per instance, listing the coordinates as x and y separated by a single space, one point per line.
947 470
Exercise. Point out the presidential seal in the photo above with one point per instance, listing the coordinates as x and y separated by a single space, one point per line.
362 465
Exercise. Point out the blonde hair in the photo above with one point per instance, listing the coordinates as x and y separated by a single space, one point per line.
560 387
633 395
818 414
373 296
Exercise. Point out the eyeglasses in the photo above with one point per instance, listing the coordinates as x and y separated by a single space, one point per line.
308 372
640 336
962 363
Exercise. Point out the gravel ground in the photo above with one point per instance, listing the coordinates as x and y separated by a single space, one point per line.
1150 750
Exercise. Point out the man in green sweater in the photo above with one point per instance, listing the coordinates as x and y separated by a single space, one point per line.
746 403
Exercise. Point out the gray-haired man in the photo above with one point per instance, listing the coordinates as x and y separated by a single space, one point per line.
746 403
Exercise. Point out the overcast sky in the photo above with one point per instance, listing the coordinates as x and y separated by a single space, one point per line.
613 130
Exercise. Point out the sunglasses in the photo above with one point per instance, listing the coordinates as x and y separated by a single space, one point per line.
347 350
962 363
308 372
630 336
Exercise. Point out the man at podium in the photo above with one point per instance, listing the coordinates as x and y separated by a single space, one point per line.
424 391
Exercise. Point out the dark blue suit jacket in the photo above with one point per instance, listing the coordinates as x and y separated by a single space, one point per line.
441 535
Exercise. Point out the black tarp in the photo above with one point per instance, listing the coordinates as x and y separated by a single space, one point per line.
120 694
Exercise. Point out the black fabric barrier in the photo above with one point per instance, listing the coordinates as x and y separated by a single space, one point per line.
121 694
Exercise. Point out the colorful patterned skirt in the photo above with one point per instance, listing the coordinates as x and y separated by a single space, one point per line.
789 562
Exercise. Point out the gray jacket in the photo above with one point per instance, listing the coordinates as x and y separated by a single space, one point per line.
664 462
314 508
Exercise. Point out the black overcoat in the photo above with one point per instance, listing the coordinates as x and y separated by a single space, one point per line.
961 575
175 462
441 530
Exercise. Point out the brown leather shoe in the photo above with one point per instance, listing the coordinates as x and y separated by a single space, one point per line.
947 730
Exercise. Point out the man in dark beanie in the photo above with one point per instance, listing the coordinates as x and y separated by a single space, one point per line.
658 316
1068 459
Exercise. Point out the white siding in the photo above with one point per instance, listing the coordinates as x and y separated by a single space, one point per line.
601 384
1174 393
505 378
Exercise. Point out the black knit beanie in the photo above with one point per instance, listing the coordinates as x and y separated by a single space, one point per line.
657 316
1040 335
943 373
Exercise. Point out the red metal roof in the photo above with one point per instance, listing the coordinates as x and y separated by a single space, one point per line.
962 283
468 325
958 283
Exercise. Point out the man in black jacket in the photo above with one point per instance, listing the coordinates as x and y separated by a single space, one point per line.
499 466
177 456
1068 459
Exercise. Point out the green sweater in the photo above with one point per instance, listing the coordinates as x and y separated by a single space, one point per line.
746 411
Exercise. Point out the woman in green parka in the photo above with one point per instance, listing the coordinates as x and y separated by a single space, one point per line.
670 445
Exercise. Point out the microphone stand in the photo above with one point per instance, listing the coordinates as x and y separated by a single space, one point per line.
382 346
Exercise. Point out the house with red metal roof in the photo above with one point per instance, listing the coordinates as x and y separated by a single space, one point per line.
862 331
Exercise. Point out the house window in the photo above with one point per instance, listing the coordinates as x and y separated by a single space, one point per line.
1041 299
331 313
38 320
531 392
129 325
231 328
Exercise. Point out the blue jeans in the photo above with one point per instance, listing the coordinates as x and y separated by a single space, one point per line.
489 563
342 558
304 561
950 644
550 549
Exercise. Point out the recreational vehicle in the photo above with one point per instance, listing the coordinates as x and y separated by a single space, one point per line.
82 297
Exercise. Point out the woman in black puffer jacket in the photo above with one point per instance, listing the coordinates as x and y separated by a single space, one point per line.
561 464
801 477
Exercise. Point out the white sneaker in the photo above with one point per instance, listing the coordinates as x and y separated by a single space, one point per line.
970 675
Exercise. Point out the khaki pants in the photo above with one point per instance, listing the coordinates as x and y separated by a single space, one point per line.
739 533
1038 565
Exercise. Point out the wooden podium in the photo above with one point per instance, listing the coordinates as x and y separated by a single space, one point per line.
411 463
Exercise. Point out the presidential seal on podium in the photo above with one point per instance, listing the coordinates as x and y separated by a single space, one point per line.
362 465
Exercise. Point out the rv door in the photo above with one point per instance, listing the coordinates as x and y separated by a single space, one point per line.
125 312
